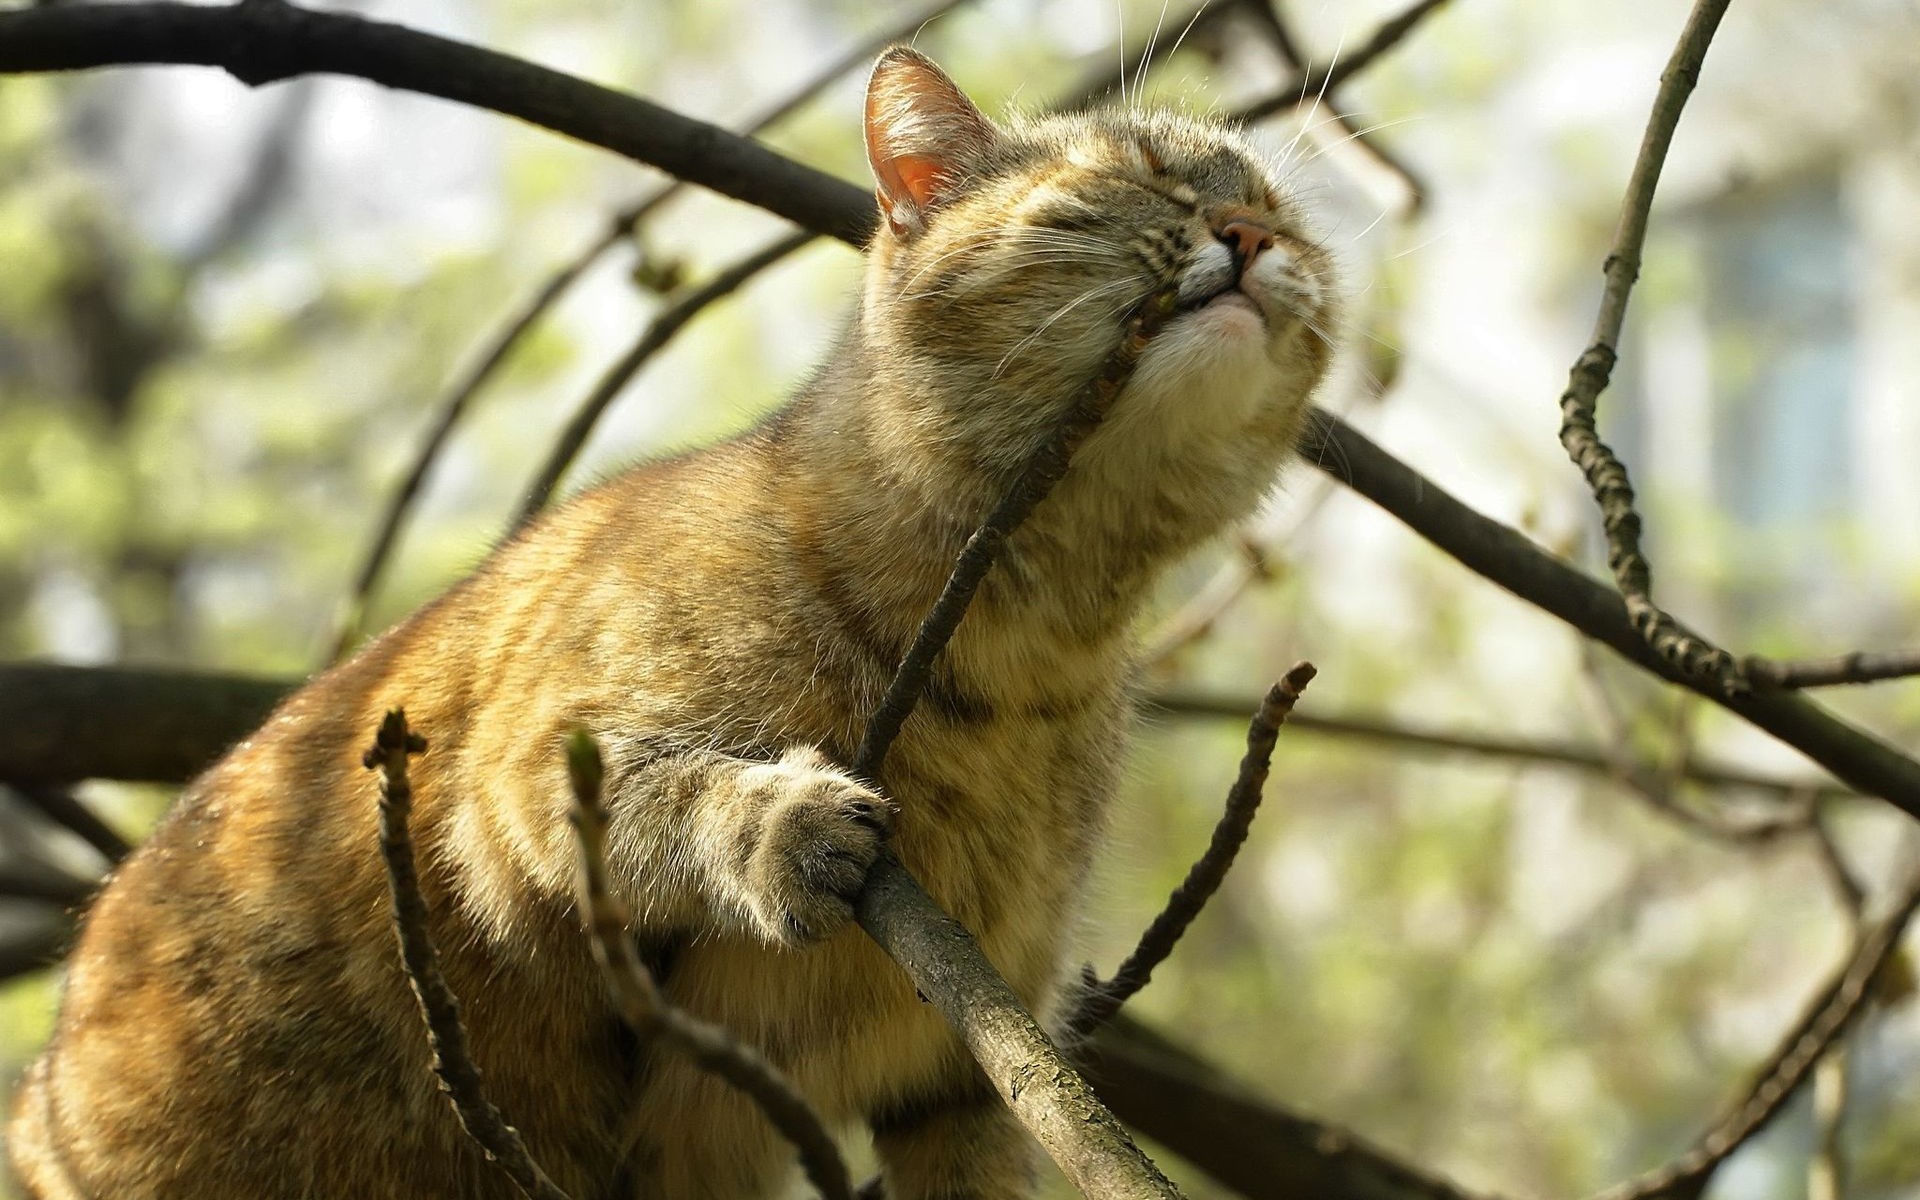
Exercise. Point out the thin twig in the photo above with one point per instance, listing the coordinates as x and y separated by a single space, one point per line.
1044 1093
1861 666
502 344
1103 999
1042 470
651 1016
1606 474
1385 37
1579 756
1839 1003
1280 32
658 333
1194 619
452 1063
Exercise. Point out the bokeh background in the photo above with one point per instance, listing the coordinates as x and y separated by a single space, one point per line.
227 317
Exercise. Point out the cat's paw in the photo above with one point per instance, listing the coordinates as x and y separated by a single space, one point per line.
819 834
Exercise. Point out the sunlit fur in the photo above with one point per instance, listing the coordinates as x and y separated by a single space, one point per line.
235 1020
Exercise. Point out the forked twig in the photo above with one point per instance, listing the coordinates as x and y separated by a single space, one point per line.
452 1062
642 1006
1103 999
1606 474
1838 1004
1385 37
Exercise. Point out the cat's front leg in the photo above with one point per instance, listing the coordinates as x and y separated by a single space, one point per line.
775 849
957 1143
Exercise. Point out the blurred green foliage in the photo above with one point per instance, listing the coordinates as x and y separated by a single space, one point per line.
1522 977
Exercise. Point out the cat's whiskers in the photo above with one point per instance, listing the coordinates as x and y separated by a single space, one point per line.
1146 60
1100 290
1326 78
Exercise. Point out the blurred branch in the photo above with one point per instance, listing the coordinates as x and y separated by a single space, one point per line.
942 959
59 724
1826 1019
1506 557
1287 46
658 333
63 808
1576 755
42 882
263 41
1252 1147
22 952
1861 666
1102 999
1606 474
647 1012
1324 80
452 1061
500 347
1194 619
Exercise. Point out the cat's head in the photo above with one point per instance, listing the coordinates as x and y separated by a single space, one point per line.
1009 254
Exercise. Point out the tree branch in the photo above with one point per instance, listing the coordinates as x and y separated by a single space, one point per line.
1257 1149
647 1012
264 41
452 1062
1861 666
943 960
1319 82
63 808
659 332
1506 557
1605 473
501 346
1102 1000
1551 752
1838 1004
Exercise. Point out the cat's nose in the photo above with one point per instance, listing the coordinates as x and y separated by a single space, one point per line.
1246 239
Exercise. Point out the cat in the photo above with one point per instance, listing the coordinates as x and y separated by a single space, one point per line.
235 1021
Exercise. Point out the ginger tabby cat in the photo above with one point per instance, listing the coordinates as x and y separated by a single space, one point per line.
235 1020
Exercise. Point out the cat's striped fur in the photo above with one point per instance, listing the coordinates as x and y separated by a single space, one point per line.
235 1022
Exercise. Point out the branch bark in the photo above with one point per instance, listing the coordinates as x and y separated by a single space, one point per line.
1485 546
452 1062
1606 474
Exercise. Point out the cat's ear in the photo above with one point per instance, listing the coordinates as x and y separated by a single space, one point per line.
924 137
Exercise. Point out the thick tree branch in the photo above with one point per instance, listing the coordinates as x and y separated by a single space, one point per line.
1606 474
1506 557
1257 1149
61 724
946 965
264 41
